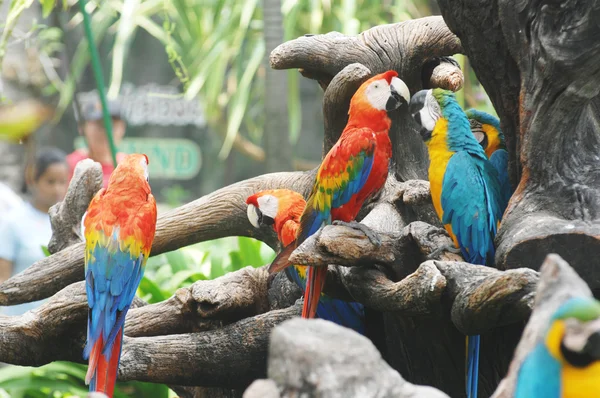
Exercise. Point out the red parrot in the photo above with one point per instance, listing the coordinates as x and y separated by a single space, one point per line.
119 228
281 210
355 169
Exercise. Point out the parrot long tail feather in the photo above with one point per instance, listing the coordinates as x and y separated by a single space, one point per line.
281 261
472 365
102 373
314 286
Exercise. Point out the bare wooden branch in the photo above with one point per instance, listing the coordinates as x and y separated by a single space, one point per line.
204 305
351 247
219 214
231 357
65 216
404 47
445 73
558 282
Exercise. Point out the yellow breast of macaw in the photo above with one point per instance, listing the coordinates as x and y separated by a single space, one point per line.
439 156
576 382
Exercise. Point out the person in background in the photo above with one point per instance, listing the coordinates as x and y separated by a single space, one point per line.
91 126
9 200
26 229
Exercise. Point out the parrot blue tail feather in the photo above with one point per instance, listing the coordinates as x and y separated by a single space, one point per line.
472 365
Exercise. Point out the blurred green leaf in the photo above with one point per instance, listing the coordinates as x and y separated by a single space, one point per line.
150 288
45 250
47 6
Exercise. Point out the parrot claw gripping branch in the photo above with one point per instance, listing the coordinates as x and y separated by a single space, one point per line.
215 334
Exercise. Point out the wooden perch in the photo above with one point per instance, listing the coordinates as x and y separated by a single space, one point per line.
231 357
204 305
65 216
443 72
219 214
404 47
56 329
558 283
481 298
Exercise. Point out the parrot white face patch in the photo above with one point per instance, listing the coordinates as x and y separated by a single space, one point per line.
145 167
430 113
378 93
268 205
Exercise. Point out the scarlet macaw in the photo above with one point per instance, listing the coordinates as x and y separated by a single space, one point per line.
566 362
119 229
281 209
355 169
464 188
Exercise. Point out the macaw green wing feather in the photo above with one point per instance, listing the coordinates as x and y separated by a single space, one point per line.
471 205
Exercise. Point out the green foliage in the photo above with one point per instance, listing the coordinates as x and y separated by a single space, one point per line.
65 379
168 272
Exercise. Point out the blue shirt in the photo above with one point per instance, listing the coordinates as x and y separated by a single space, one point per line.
23 232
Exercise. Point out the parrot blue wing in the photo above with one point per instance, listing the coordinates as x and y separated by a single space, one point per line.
499 160
471 205
539 375
112 277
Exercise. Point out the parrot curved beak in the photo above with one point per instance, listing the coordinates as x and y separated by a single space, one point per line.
416 108
399 95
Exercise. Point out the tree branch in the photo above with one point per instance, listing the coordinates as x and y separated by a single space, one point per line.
404 47
65 216
219 214
56 330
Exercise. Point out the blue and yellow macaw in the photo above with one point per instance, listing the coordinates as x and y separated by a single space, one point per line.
464 188
281 210
566 362
486 129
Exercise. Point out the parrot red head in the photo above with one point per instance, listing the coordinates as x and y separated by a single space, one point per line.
275 207
132 171
378 95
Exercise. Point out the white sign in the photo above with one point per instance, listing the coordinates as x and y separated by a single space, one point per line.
155 105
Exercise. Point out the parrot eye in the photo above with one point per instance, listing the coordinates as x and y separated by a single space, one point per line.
266 220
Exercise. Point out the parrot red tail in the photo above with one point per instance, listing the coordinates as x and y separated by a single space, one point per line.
314 286
102 371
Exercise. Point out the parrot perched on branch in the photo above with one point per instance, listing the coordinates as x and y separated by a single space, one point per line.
119 229
281 209
354 170
566 362
465 188
486 129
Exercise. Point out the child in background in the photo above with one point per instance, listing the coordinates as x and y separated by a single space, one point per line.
26 229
